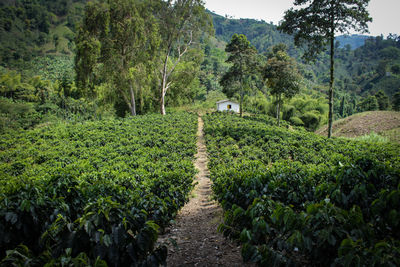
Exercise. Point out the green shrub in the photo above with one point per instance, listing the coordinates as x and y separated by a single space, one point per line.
296 121
288 112
94 191
293 198
310 120
373 138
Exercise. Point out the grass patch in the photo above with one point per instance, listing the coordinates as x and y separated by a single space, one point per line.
392 135
372 138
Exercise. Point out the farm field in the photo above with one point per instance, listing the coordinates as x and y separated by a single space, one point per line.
294 198
73 194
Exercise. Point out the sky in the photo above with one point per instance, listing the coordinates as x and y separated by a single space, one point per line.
385 13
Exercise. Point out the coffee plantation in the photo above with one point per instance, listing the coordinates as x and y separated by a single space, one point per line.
293 198
94 193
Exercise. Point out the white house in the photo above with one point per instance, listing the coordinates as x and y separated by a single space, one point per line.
227 105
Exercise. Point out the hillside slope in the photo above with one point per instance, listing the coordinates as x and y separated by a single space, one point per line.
386 123
29 29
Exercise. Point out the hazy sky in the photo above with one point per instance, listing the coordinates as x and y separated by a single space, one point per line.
385 13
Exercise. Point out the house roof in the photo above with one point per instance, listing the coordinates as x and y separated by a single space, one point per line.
226 100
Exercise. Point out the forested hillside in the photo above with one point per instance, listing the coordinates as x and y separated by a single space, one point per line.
39 50
261 34
366 68
32 28
359 59
38 38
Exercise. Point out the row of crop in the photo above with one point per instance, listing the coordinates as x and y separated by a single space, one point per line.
94 193
294 198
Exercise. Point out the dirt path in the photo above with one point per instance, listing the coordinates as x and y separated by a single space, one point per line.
195 230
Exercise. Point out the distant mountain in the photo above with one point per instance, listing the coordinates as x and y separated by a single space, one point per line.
261 34
355 40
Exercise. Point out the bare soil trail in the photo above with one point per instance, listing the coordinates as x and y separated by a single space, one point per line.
195 230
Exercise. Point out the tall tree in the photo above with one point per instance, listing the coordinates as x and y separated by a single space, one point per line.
281 75
181 22
244 65
115 38
342 107
317 21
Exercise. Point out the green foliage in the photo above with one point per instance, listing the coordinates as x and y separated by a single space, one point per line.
368 104
281 76
26 102
315 23
31 51
296 121
342 107
367 71
390 52
29 28
396 101
261 34
373 138
311 111
52 68
186 85
237 80
181 23
347 105
390 84
213 66
295 198
383 100
19 115
94 191
103 49
259 103
311 120
395 69
351 42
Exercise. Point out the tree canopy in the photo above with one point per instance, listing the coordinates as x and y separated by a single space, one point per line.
244 65
116 37
315 23
281 75
181 23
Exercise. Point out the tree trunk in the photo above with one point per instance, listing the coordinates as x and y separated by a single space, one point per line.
162 104
164 86
278 111
330 116
133 103
241 103
332 41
